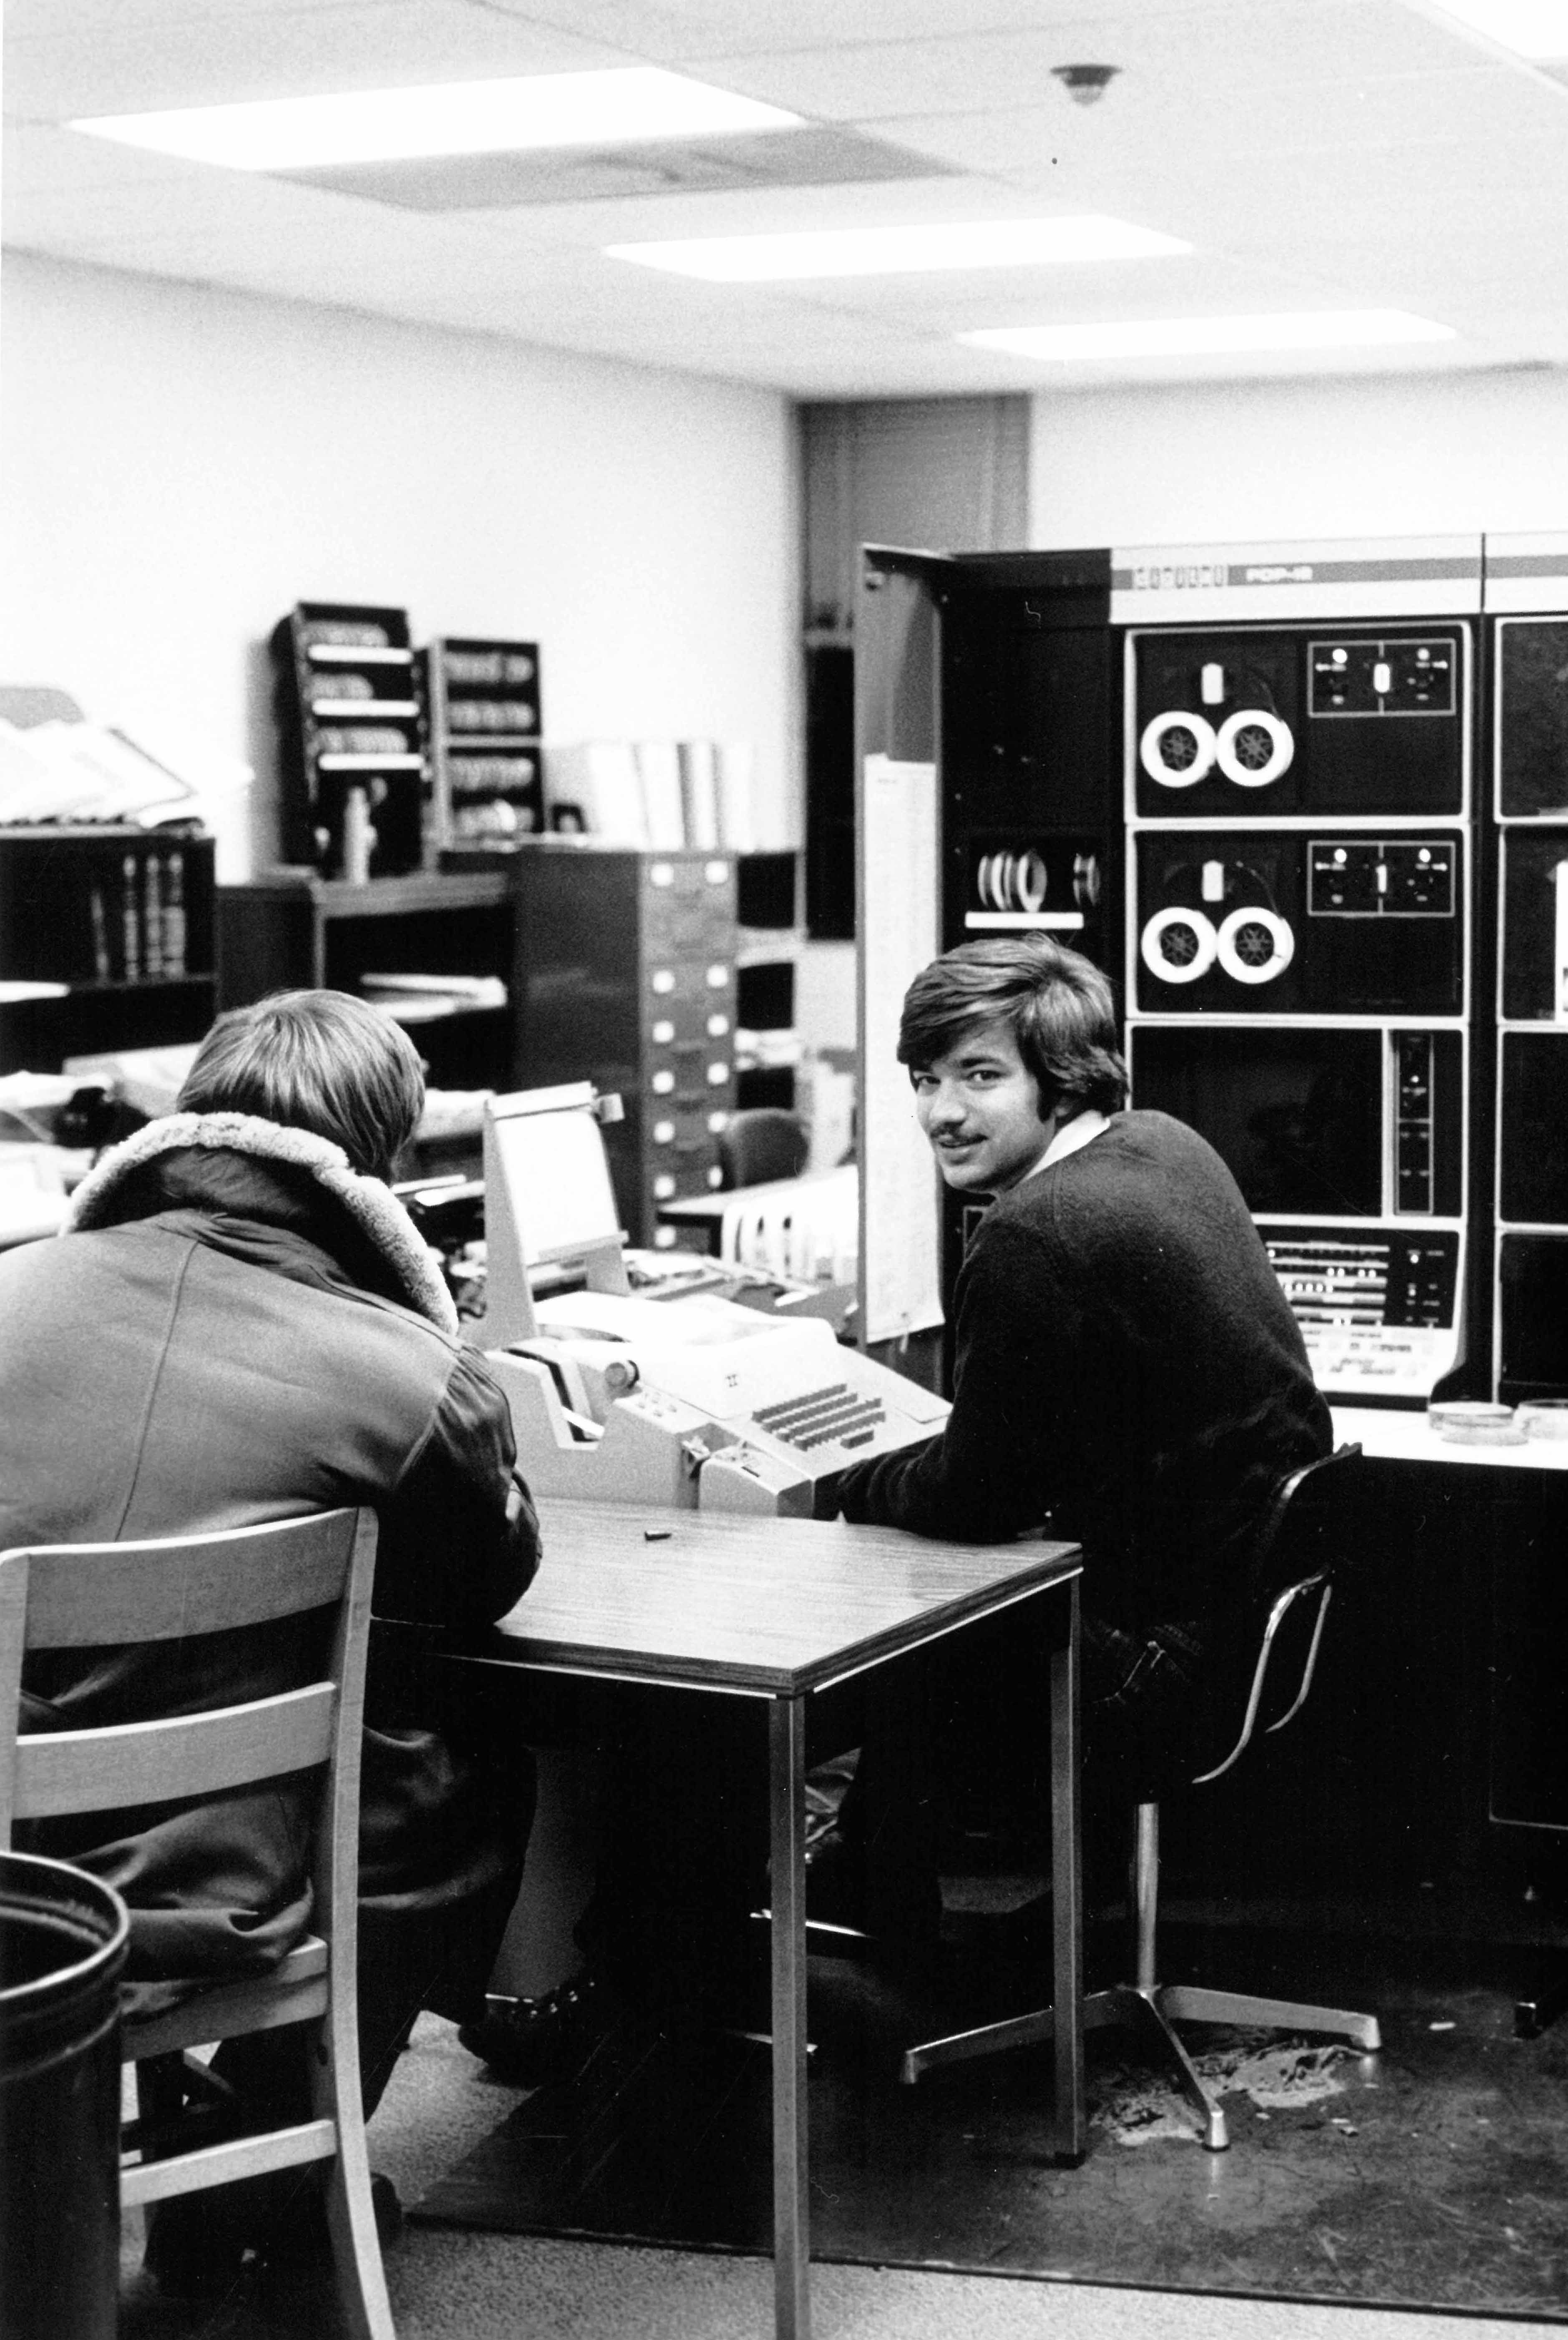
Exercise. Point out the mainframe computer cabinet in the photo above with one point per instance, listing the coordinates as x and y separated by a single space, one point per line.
1241 778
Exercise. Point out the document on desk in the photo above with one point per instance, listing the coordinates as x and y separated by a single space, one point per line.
901 1256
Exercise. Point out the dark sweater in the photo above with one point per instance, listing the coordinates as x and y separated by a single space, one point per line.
1125 1363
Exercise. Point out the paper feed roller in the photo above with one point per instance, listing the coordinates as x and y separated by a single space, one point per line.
701 1402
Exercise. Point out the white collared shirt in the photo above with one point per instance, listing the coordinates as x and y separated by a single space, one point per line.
1071 1135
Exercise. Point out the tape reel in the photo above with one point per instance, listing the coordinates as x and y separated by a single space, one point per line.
1179 944
1031 881
1254 747
1012 882
1177 748
1254 944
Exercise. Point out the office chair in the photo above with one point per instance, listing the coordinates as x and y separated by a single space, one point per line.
76 1596
760 1143
1294 1561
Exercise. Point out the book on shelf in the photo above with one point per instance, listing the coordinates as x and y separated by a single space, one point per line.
136 919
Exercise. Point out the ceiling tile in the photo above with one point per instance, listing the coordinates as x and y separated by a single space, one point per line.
695 29
250 52
1224 48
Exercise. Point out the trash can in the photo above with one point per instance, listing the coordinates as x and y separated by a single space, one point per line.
62 1945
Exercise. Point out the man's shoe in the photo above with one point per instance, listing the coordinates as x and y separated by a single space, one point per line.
198 2245
190 2251
531 2041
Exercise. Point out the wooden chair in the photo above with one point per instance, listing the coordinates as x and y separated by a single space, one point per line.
84 1595
1295 1562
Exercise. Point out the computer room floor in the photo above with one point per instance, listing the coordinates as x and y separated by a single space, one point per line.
1431 2177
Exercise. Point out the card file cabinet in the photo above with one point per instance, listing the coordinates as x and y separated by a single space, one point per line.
626 976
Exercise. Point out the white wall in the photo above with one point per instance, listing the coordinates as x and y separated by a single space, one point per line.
1232 461
179 465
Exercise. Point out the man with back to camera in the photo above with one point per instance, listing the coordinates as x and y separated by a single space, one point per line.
1125 1361
240 1324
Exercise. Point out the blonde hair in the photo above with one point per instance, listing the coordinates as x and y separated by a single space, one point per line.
317 1060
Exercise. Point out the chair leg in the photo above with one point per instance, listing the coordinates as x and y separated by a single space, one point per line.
985 2039
1102 2009
1188 2003
351 2212
1539 2009
1157 2032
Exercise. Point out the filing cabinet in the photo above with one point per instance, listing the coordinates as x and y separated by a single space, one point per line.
626 976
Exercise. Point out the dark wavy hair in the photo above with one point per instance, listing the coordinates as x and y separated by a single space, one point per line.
318 1060
1059 1005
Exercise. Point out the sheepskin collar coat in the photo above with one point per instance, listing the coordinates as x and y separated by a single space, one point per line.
237 1326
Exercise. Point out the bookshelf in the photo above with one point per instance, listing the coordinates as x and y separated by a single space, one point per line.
488 760
294 929
353 740
106 941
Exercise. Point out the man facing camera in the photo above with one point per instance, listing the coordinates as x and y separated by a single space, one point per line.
241 1324
1125 1363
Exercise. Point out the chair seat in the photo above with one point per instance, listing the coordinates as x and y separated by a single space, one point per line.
291 1992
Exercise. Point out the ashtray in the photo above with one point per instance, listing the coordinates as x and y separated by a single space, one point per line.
1474 1421
1543 1417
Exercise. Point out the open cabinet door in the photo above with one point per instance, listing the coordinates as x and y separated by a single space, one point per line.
897 735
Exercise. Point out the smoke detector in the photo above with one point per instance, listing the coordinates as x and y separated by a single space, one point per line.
1086 84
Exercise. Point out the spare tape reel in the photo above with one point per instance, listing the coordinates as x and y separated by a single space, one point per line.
1012 881
1252 748
1252 945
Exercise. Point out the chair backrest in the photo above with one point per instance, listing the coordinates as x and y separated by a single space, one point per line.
1303 1528
759 1143
82 1596
1297 1553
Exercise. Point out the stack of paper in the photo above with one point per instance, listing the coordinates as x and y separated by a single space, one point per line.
661 794
737 811
601 779
150 1079
61 771
423 998
700 793
658 769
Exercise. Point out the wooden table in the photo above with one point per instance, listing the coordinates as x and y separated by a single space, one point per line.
778 1609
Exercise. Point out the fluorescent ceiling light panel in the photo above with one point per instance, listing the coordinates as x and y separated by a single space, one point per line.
1316 329
619 106
896 251
1535 28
